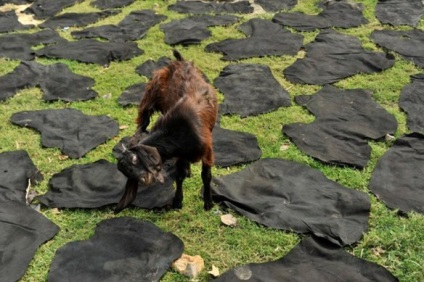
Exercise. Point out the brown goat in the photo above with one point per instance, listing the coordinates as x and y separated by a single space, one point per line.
184 131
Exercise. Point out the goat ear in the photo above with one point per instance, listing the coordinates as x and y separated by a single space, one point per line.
152 154
152 151
129 195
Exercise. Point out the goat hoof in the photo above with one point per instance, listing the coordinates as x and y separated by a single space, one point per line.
208 206
177 205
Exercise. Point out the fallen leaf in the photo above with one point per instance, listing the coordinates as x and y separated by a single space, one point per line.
377 251
63 157
217 211
389 137
215 271
55 211
123 127
107 96
229 220
284 147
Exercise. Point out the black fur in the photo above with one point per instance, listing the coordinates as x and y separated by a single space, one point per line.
184 131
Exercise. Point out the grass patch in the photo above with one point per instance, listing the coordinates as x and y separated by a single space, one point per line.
393 241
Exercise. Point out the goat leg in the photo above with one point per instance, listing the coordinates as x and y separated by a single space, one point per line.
143 120
177 202
207 194
183 170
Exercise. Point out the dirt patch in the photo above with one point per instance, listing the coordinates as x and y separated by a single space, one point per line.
23 18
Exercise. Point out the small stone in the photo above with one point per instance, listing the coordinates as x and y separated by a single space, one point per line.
31 194
229 220
189 266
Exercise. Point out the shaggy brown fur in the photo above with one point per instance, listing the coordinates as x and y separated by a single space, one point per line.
184 131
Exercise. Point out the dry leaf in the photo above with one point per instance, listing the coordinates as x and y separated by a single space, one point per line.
123 127
284 147
215 271
378 251
229 220
55 211
389 137
107 96
63 157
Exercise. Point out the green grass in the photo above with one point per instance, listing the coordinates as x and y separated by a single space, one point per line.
393 241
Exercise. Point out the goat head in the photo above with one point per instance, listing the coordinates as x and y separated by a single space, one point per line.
142 163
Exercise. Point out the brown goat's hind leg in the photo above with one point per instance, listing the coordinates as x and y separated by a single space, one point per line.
143 120
207 194
183 168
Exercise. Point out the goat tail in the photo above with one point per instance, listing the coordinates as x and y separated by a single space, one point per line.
177 55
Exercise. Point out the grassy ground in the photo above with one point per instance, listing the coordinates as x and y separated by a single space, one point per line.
396 242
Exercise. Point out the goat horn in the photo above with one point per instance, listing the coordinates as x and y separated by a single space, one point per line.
124 148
